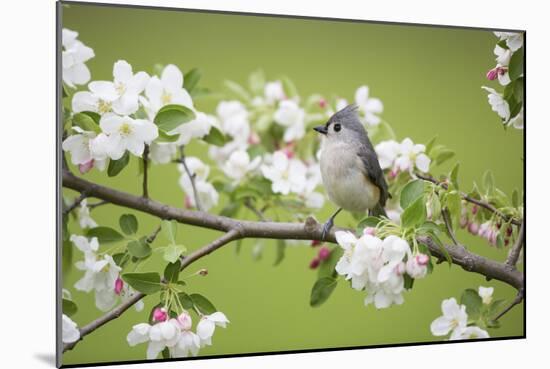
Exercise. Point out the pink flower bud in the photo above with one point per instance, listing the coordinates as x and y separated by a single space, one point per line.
288 151
463 222
324 253
86 167
254 139
473 228
314 263
184 321
370 231
492 74
506 242
509 231
501 70
422 259
400 268
393 173
474 209
187 202
322 103
160 314
119 284
315 243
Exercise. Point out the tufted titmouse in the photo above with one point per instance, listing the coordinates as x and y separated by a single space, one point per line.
350 170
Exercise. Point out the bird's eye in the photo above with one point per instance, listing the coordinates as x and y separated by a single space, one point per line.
337 127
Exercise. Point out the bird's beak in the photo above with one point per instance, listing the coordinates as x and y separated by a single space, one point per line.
321 129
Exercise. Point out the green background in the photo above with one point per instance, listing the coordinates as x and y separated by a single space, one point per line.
429 81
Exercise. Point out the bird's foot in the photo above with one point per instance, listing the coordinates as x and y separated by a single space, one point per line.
326 228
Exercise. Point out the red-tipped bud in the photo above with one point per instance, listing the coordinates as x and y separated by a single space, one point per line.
315 243
254 139
314 263
492 74
474 209
322 103
86 167
473 228
324 253
119 284
509 231
160 314
422 259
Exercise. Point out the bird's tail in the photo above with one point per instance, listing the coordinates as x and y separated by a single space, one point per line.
378 211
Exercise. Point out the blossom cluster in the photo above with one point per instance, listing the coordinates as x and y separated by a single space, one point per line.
455 319
508 44
402 157
490 229
207 194
175 334
379 266
101 275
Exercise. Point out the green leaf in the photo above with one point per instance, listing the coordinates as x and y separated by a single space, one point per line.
518 90
86 122
202 304
515 198
173 252
147 283
215 137
104 234
237 90
280 252
430 145
495 307
116 166
121 258
185 300
170 117
369 221
321 291
454 175
488 182
443 156
231 209
473 303
256 81
67 254
441 246
454 205
191 79
412 191
69 307
164 137
409 281
128 223
289 87
172 272
515 68
326 269
170 230
415 214
139 249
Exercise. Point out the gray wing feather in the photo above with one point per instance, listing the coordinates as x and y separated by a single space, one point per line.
374 172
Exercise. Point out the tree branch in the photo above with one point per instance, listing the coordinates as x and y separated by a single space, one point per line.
519 297
310 230
470 199
191 176
145 163
188 260
513 257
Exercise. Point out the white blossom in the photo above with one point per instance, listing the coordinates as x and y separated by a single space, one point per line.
207 326
208 196
166 90
197 128
70 332
73 57
84 218
125 133
371 107
273 92
486 294
517 121
503 60
162 152
465 333
239 164
411 155
233 118
292 117
454 317
387 152
514 40
498 104
83 150
287 175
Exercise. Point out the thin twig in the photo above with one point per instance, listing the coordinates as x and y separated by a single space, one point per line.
253 209
470 199
97 204
145 164
449 225
116 312
191 176
75 203
518 299
513 257
154 235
